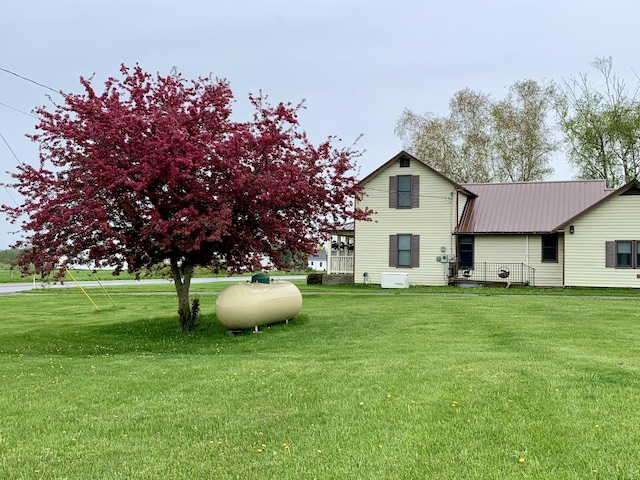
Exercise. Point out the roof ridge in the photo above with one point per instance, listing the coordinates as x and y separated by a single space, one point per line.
538 182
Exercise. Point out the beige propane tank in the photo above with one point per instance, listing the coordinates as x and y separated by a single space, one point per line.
249 305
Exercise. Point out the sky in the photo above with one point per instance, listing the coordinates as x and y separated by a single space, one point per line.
357 64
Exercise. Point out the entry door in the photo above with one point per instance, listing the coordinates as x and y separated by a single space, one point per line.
465 251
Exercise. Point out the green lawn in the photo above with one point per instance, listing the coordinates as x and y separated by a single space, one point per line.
363 384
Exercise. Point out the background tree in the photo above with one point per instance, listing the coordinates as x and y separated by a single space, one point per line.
601 125
523 138
8 255
486 141
457 145
154 170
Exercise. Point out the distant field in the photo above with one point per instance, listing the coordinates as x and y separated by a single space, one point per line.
8 275
363 384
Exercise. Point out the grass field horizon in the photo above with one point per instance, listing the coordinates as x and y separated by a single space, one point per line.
362 384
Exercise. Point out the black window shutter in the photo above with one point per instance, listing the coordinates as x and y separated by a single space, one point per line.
393 250
415 251
415 191
610 254
393 192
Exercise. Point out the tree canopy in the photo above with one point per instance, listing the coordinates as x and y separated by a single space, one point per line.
482 140
8 255
154 170
523 136
601 125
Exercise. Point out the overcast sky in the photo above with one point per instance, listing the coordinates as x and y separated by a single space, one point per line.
357 63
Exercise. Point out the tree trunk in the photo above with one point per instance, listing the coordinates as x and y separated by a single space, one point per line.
182 281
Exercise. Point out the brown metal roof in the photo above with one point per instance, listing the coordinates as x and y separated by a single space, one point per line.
527 207
630 188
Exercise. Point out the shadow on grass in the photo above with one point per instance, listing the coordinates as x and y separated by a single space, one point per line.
158 335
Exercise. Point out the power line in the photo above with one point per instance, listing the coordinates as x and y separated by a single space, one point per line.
18 160
32 81
18 110
10 149
10 196
2 136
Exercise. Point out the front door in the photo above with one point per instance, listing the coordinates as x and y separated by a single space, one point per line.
465 252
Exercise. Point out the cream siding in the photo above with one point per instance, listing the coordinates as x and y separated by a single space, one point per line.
524 249
548 274
462 202
616 219
433 220
500 248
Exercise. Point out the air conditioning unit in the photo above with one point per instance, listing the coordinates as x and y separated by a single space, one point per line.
395 280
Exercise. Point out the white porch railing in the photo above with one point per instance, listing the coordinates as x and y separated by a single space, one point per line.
341 264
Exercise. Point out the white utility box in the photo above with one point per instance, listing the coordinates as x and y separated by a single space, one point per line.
395 280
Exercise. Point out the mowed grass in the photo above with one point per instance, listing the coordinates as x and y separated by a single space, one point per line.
361 385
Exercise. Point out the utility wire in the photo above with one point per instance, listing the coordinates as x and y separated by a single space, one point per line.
10 196
1 135
18 160
19 111
32 81
10 149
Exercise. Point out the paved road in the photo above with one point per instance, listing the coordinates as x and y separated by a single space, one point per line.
7 288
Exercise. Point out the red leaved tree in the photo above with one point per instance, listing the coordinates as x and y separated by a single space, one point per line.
153 170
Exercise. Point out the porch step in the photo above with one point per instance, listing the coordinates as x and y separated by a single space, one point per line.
338 279
330 278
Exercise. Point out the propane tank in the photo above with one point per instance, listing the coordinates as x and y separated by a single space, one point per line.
250 305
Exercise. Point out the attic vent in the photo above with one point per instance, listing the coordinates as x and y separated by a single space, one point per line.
634 190
404 162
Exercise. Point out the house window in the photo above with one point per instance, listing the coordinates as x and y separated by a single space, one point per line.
465 251
405 162
550 248
622 254
404 250
404 191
